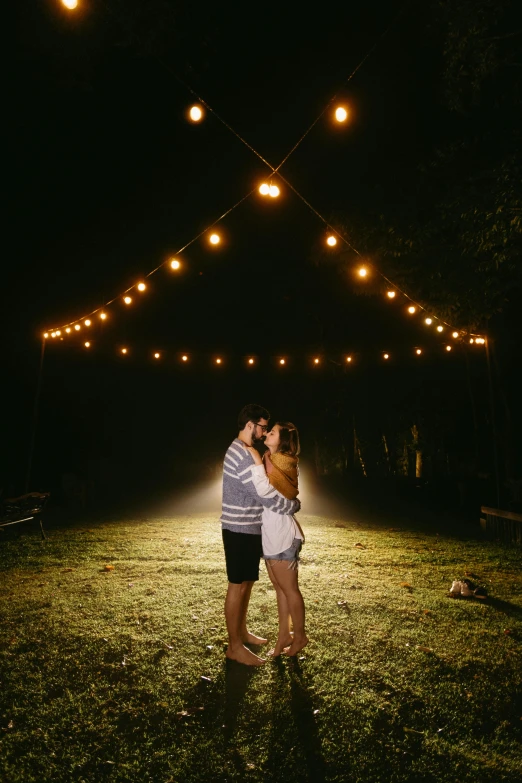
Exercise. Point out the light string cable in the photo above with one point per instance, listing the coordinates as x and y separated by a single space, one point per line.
343 85
163 263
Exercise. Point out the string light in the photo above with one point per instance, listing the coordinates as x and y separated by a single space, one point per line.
174 263
480 340
251 361
127 300
264 189
455 334
448 347
362 271
124 350
386 356
348 359
440 328
141 286
46 335
412 309
196 113
184 358
316 361
77 327
218 360
274 191
87 345
214 239
428 321
58 333
103 316
68 330
87 322
471 340
390 294
341 115
331 240
282 361
70 4
418 351
156 355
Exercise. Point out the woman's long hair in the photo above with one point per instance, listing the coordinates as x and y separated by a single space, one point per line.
288 438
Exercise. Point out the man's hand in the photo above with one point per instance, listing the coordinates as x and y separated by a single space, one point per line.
255 453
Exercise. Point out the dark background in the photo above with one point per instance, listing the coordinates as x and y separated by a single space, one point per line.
110 180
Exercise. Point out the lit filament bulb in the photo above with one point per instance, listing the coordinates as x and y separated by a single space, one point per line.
411 309
184 358
440 328
127 300
87 345
390 294
46 335
341 115
362 272
348 358
455 334
70 4
264 189
58 333
124 350
175 264
214 239
418 351
156 355
103 316
68 330
281 361
273 191
77 327
251 361
218 361
331 240
316 360
428 321
386 356
141 286
87 322
448 347
196 113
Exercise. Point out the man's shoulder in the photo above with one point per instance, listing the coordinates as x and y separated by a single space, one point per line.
237 452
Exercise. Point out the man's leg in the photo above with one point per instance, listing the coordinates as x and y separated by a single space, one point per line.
236 605
246 636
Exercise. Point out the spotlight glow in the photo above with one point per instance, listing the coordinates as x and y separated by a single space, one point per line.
411 309
196 113
77 327
341 115
174 263
127 300
141 286
70 4
331 240
264 189
214 239
274 191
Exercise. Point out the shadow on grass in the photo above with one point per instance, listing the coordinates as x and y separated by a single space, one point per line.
506 607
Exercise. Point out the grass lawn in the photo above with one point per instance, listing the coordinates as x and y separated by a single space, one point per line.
120 675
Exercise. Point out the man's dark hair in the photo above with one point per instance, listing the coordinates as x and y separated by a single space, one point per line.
251 413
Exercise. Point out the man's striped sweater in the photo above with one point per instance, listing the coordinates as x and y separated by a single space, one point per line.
242 507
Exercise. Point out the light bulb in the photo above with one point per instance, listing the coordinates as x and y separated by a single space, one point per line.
87 345
68 330
316 361
390 294
87 322
428 321
77 327
251 361
214 239
264 189
156 355
124 350
386 356
448 347
440 328
103 316
70 4
281 361
455 334
341 115
348 358
46 335
184 358
362 272
411 309
127 300
175 264
274 191
418 351
218 361
141 286
196 113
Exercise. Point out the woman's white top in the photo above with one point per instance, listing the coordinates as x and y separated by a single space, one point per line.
278 530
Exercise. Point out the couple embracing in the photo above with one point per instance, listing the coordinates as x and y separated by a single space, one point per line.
257 519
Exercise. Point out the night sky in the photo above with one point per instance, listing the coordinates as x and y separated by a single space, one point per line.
111 180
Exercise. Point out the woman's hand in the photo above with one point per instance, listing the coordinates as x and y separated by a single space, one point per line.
255 453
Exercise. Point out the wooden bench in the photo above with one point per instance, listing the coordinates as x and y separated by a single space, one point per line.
505 525
24 509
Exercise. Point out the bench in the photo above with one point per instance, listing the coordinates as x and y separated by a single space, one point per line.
504 525
24 509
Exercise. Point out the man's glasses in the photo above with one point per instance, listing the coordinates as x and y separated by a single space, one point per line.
263 426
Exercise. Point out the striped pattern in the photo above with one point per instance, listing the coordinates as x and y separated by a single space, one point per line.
242 507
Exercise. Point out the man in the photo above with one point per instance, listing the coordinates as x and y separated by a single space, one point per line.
241 528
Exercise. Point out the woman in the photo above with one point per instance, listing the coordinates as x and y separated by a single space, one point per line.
281 533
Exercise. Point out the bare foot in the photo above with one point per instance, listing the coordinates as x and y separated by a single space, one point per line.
296 645
251 638
281 644
242 654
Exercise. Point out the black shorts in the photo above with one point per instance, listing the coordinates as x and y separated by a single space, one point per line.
242 554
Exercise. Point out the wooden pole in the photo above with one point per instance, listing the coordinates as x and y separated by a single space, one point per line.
35 418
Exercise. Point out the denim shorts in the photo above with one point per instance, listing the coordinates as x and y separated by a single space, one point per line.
292 553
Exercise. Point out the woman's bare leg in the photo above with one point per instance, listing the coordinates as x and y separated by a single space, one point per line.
284 637
287 580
